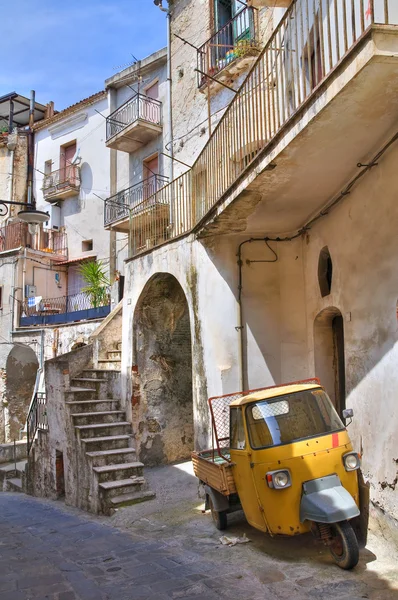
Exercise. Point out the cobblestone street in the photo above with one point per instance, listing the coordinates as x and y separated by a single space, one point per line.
168 549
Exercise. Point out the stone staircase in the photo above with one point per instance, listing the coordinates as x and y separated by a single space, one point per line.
11 478
113 359
104 437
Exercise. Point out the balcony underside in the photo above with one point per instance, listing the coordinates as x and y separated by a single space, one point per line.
147 218
316 154
59 193
134 136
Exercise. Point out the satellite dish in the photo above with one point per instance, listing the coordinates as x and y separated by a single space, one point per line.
77 159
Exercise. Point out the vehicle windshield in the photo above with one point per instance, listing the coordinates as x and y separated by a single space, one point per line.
290 418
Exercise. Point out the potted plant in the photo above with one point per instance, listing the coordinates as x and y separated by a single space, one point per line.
94 275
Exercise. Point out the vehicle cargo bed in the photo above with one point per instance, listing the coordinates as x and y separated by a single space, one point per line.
215 471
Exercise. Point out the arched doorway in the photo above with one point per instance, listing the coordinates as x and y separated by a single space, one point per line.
163 406
329 355
21 370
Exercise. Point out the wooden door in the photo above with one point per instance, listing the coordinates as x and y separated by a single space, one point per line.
150 169
66 167
153 91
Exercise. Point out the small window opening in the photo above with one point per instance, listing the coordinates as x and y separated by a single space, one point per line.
325 272
87 245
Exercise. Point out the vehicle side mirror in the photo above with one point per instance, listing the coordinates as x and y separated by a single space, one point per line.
348 413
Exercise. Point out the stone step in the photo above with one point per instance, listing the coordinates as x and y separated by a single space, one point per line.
121 486
107 442
105 417
110 365
89 406
133 498
14 484
90 379
95 373
114 355
121 471
101 458
80 393
103 429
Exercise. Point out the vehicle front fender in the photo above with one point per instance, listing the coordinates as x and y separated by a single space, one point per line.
324 500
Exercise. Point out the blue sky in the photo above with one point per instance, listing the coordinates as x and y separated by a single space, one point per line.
65 50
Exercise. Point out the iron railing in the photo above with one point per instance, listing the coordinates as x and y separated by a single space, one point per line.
309 42
64 304
56 182
37 418
14 235
139 107
117 207
235 39
53 242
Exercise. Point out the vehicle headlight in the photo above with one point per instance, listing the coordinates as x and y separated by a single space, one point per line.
351 461
278 479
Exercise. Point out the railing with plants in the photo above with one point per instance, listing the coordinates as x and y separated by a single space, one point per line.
53 242
37 418
117 206
235 39
306 46
68 177
139 107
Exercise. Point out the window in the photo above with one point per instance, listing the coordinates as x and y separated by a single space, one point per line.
237 430
291 418
87 245
325 272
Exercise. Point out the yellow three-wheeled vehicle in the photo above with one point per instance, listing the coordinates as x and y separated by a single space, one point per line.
283 455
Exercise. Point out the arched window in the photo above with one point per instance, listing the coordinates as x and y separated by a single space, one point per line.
325 272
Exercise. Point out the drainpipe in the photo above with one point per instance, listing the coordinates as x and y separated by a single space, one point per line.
31 146
170 98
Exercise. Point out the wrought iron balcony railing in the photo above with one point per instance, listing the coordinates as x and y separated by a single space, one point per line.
309 42
140 107
37 418
117 207
14 236
65 309
62 183
236 39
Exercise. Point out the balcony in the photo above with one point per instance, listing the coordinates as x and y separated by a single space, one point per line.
61 184
229 51
118 207
320 99
65 309
134 124
16 235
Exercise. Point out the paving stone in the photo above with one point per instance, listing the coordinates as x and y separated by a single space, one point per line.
32 581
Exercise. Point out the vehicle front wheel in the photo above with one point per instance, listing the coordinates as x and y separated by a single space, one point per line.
344 545
219 517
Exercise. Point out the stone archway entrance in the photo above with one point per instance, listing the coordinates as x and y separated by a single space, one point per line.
330 355
21 370
162 400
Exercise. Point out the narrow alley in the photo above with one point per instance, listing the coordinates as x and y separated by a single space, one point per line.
169 549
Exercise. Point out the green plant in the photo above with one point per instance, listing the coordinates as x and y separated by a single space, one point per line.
95 277
4 129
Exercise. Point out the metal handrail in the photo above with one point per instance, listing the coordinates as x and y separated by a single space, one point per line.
303 51
140 107
67 176
37 418
65 304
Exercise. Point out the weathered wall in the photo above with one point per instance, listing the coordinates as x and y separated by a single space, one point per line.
281 301
162 403
21 369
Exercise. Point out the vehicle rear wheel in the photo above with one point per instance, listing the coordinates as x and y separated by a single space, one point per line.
344 545
219 517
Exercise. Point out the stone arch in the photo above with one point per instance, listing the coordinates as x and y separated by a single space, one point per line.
162 387
329 354
21 371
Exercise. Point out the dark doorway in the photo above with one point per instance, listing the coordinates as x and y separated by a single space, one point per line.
59 474
329 355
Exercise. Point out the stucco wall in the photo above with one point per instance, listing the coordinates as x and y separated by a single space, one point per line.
82 215
280 303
